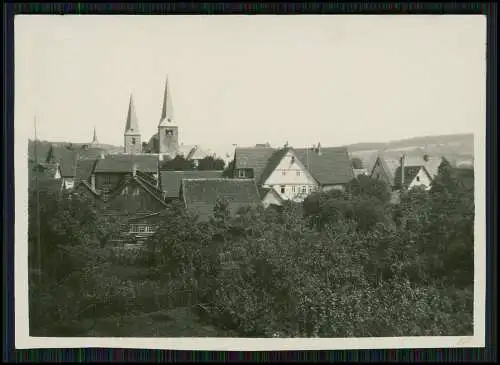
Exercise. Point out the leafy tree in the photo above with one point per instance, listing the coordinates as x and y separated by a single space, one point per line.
228 171
211 163
365 186
179 163
357 163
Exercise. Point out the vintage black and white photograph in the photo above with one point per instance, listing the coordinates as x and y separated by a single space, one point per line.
283 178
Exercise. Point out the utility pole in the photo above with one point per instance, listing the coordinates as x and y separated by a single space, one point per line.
39 246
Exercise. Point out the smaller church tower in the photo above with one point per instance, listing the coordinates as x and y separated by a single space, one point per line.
132 135
95 141
168 131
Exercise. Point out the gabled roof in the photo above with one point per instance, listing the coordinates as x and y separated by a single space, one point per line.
171 180
273 162
410 172
129 179
126 180
84 169
255 158
201 195
263 192
197 153
391 165
82 184
388 165
67 164
124 163
331 167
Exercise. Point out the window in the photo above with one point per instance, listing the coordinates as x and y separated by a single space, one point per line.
241 173
282 190
107 179
283 172
298 173
133 140
293 189
304 189
142 229
418 178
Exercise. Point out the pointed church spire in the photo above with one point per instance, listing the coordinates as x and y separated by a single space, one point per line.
132 126
94 138
167 112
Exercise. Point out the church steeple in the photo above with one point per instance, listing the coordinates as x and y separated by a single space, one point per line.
132 126
167 129
167 111
132 135
94 138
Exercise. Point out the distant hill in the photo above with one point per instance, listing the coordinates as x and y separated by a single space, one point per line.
457 148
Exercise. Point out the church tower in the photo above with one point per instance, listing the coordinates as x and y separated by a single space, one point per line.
94 138
168 131
132 135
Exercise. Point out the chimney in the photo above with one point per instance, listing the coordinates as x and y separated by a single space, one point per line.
403 163
318 150
134 169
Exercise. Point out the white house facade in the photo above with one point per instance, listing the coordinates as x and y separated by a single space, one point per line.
290 179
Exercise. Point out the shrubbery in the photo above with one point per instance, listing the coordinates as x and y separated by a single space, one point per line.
342 264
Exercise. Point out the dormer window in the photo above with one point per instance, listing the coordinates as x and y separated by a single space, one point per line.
241 173
293 159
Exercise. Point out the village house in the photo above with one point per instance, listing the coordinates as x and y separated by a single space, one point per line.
170 181
293 173
201 196
135 197
110 170
407 172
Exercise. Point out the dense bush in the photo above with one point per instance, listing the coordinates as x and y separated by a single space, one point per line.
341 264
348 264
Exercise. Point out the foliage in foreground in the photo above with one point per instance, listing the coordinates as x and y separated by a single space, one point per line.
344 264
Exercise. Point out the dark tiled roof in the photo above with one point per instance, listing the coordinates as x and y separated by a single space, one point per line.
84 169
272 163
144 184
331 167
91 153
263 192
255 158
409 174
201 195
171 180
124 163
67 163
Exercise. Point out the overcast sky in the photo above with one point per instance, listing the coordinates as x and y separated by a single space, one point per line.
251 79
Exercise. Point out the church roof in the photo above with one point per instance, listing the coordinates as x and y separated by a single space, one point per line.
132 126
